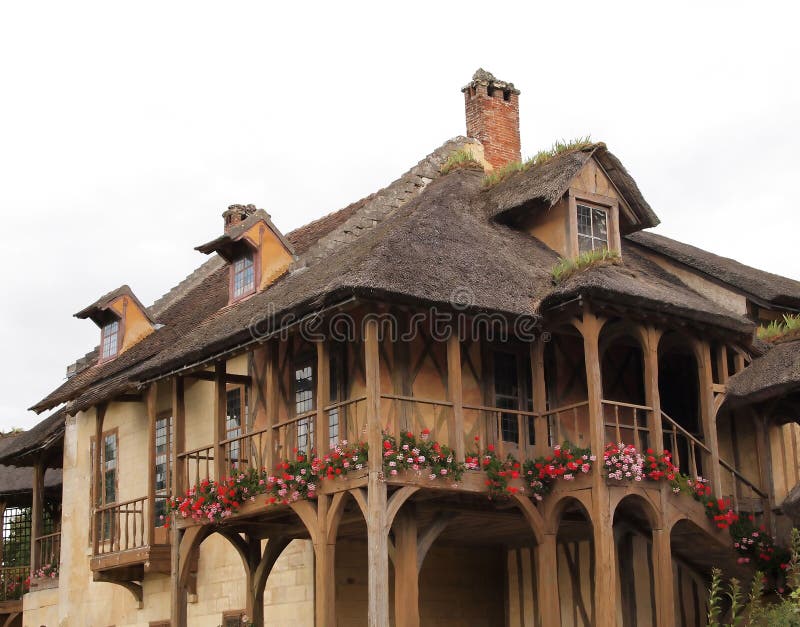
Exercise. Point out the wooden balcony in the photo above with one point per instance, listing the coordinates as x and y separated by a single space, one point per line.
126 543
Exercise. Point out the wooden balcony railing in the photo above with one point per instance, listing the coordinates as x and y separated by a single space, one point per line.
197 464
122 526
12 582
48 550
745 495
510 430
410 413
297 432
569 423
246 451
687 449
626 422
347 420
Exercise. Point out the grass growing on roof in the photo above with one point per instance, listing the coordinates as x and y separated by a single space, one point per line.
565 268
541 157
462 158
778 329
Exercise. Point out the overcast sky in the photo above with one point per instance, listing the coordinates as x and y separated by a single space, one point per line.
127 128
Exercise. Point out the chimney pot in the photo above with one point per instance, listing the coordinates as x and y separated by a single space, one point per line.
235 214
492 111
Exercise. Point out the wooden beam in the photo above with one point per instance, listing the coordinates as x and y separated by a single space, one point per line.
708 415
100 414
547 581
652 337
271 398
178 443
323 396
37 512
662 572
539 388
151 402
377 545
406 578
234 379
455 394
220 416
605 574
177 587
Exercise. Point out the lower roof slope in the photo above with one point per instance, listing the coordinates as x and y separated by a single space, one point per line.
772 288
771 375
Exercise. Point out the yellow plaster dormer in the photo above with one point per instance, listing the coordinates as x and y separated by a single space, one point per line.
122 319
257 252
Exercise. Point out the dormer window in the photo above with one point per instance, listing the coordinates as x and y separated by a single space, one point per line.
592 228
244 276
110 340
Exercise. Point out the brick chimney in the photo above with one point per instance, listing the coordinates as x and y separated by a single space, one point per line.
235 214
492 108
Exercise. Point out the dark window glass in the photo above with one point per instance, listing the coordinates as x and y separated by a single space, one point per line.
304 403
164 464
506 393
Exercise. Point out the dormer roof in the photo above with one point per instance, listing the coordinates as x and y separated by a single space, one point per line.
542 186
229 244
100 311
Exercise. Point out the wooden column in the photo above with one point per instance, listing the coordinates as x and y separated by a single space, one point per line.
539 387
605 574
177 591
151 404
406 577
254 595
652 337
97 483
178 443
377 545
323 397
662 576
271 396
220 416
455 393
547 581
708 417
324 567
764 467
37 512
2 513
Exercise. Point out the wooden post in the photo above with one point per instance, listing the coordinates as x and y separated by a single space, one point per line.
652 337
764 467
605 574
271 395
708 416
37 510
456 394
179 478
97 483
539 387
254 596
547 581
324 567
662 571
2 514
177 591
377 545
323 397
406 578
220 417
151 403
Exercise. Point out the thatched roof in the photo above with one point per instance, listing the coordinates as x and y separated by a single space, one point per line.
423 238
764 286
16 482
542 186
774 374
44 440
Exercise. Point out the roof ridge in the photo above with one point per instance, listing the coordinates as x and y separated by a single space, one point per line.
379 205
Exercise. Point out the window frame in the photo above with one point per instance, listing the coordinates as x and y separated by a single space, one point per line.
120 335
524 397
253 253
166 492
593 201
302 361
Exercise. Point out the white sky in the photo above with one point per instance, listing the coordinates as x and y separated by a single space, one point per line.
127 128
